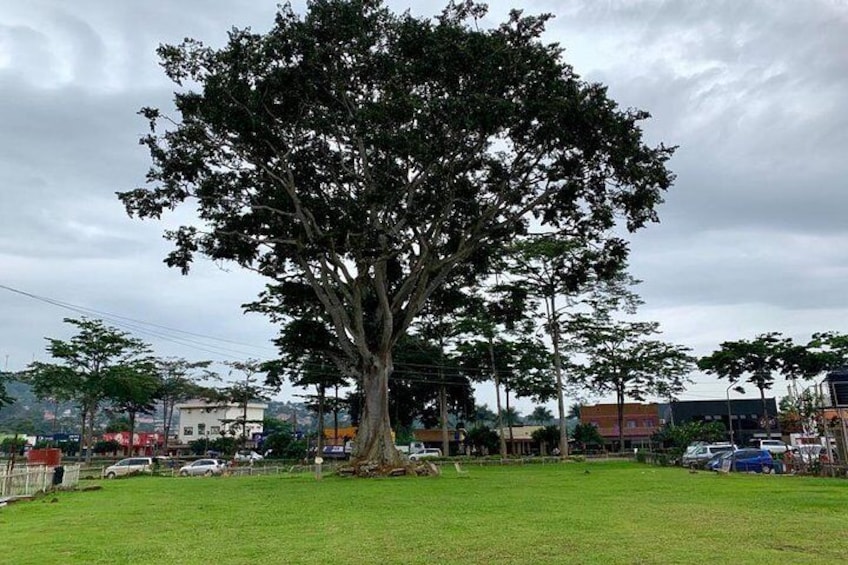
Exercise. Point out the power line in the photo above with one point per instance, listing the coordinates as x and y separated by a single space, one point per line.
139 326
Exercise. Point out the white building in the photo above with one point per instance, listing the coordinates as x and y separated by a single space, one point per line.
200 419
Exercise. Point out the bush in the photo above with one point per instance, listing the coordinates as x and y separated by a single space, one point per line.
109 446
641 457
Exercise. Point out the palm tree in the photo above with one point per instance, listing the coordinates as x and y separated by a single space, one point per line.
483 414
511 416
540 415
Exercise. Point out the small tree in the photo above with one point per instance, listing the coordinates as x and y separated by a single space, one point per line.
677 438
547 438
586 435
109 446
243 392
179 381
483 440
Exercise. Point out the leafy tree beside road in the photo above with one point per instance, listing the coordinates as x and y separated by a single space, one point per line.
624 359
88 368
757 361
374 158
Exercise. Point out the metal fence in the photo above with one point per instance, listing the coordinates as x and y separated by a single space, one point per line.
29 480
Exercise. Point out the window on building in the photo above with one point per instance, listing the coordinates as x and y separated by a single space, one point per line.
215 429
201 429
595 423
649 423
707 418
188 430
631 423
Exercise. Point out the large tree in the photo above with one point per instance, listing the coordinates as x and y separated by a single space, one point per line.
374 157
133 392
624 358
756 360
87 366
565 273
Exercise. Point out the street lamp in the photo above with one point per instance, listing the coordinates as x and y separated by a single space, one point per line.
729 411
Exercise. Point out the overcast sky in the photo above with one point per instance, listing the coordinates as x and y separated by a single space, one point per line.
753 236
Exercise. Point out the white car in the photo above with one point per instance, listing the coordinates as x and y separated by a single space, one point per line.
426 454
247 456
206 467
129 466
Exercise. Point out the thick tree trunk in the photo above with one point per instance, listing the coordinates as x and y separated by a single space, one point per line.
374 444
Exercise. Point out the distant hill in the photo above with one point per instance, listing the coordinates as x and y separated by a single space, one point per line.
29 415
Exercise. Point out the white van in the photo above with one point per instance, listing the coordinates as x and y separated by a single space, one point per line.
128 466
773 446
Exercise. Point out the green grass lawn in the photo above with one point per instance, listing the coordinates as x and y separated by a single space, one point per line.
560 513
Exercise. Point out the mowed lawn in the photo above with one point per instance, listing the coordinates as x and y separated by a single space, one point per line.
559 513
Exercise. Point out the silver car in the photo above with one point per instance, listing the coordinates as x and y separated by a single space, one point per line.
697 455
129 466
206 467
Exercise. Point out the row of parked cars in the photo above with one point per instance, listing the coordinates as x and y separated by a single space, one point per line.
208 466
762 455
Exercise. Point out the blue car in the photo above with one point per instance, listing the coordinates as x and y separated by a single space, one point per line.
744 460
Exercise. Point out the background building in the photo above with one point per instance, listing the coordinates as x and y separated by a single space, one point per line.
640 423
747 416
200 419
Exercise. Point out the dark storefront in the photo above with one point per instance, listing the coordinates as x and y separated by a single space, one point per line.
746 416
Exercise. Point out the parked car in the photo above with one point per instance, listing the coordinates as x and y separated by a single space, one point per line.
744 460
129 466
335 452
773 446
808 453
428 453
247 456
698 454
206 467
